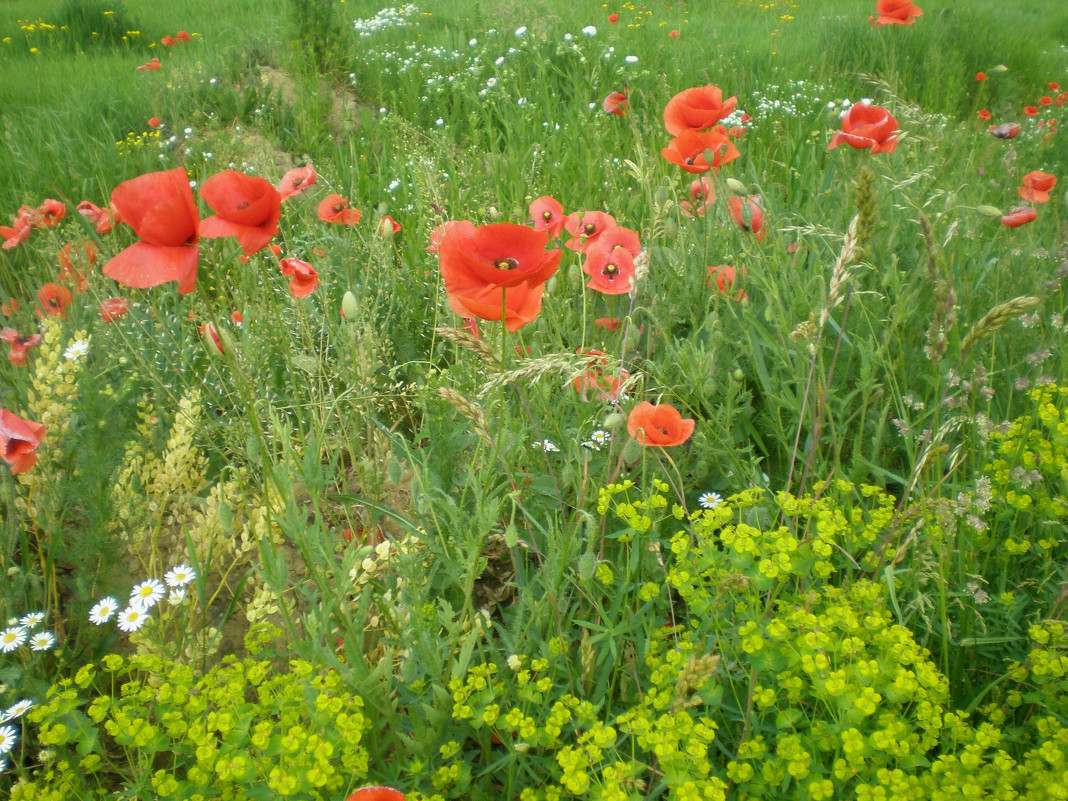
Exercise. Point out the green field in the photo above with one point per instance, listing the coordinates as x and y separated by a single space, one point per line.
759 490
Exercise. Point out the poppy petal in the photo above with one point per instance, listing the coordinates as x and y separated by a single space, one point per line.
144 265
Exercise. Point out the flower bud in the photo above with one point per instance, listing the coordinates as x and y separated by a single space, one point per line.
349 307
989 211
736 187
550 285
737 375
1000 69
632 453
615 421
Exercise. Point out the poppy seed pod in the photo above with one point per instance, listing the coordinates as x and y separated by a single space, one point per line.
614 421
989 211
349 307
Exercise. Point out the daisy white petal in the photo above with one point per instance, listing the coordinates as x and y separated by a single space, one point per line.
180 576
132 618
148 593
9 735
42 641
32 619
103 611
11 638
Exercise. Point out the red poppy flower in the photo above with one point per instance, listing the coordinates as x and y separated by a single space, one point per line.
613 17
615 103
54 301
160 207
276 250
865 127
20 345
237 317
154 122
548 215
495 270
151 65
1036 186
182 36
984 114
387 226
607 323
113 308
1030 111
658 426
604 386
245 206
895 12
19 441
50 212
1046 100
702 196
748 213
697 109
7 309
167 41
471 325
335 209
674 34
690 150
1020 216
1054 86
610 269
304 277
1006 130
101 218
723 276
376 793
586 227
16 233
296 181
438 233
980 76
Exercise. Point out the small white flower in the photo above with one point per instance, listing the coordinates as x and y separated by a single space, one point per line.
147 594
568 37
546 446
472 42
180 576
214 82
439 122
589 444
521 101
17 710
12 638
32 619
382 111
589 30
631 59
102 611
600 436
9 735
499 60
188 131
42 641
77 349
192 184
521 30
491 82
132 618
176 596
393 185
709 500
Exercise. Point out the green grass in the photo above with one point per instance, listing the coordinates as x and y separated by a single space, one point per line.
878 413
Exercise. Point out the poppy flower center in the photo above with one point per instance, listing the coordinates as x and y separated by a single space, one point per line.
244 204
589 229
610 270
689 161
506 264
546 215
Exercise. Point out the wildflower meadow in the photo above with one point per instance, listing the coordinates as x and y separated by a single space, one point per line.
539 401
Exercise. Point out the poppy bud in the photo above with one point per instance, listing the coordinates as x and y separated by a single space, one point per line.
493 214
632 453
1000 69
989 211
633 336
550 285
736 187
614 421
574 275
349 307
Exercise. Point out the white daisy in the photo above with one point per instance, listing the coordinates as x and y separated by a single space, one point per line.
179 576
546 446
32 619
77 349
147 594
589 30
709 500
132 618
42 641
17 710
12 638
102 611
176 596
9 735
600 436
